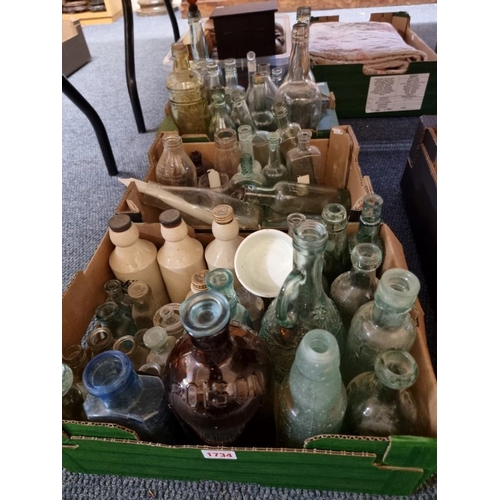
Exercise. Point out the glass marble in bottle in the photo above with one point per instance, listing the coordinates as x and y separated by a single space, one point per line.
239 110
187 94
219 377
379 402
302 304
72 397
383 323
312 397
227 152
301 95
337 260
352 289
220 117
304 162
119 395
143 305
174 167
274 171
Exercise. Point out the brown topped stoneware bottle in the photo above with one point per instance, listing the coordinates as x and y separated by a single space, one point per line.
220 378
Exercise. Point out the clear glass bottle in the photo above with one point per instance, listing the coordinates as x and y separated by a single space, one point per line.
277 76
187 94
286 197
274 171
136 351
221 251
72 397
143 307
337 259
219 377
109 315
304 16
221 280
369 224
160 344
247 175
302 304
271 89
239 110
231 77
351 289
301 95
175 168
201 66
294 219
304 162
168 317
199 46
220 117
259 107
215 76
198 283
379 402
180 256
134 258
100 339
312 398
227 152
118 395
288 131
246 141
383 323
251 70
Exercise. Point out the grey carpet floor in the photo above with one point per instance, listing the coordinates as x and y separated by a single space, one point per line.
90 196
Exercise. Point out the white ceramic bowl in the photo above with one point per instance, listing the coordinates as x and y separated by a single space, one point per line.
263 261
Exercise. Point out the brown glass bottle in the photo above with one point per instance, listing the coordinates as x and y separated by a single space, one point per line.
220 379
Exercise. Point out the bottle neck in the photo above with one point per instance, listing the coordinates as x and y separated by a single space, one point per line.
367 232
199 46
259 195
259 95
387 316
298 67
181 63
212 348
274 156
283 121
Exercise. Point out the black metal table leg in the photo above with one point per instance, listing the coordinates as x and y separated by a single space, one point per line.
173 19
102 136
128 22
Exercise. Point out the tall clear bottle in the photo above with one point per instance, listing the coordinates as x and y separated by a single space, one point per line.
302 304
312 398
274 171
271 89
288 131
134 258
301 95
199 46
304 162
239 110
337 260
187 94
383 323
174 167
180 256
304 16
231 77
260 108
220 117
356 287
251 70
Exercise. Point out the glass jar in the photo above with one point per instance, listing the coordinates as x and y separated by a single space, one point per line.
381 324
301 95
227 152
187 94
302 304
274 171
356 287
379 402
219 377
304 163
143 308
175 168
312 398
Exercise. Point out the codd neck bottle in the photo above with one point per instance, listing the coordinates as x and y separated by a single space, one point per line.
260 109
174 167
251 70
187 94
239 110
383 323
369 223
300 93
302 304
288 131
274 171
352 289
304 161
379 402
337 261
277 76
199 47
312 398
220 117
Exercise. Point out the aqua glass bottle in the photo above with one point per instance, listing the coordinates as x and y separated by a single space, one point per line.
174 167
294 219
72 397
304 161
274 171
109 315
247 175
337 260
379 402
383 323
220 117
199 46
221 280
302 304
369 223
246 136
187 94
312 397
356 287
119 395
288 131
301 95
259 107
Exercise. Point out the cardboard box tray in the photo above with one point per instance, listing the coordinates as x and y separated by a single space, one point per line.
396 465
339 156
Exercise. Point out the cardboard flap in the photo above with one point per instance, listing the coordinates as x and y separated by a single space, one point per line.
338 157
72 428
400 20
405 450
68 29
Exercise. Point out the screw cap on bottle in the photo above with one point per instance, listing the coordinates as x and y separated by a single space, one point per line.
223 214
120 223
170 218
